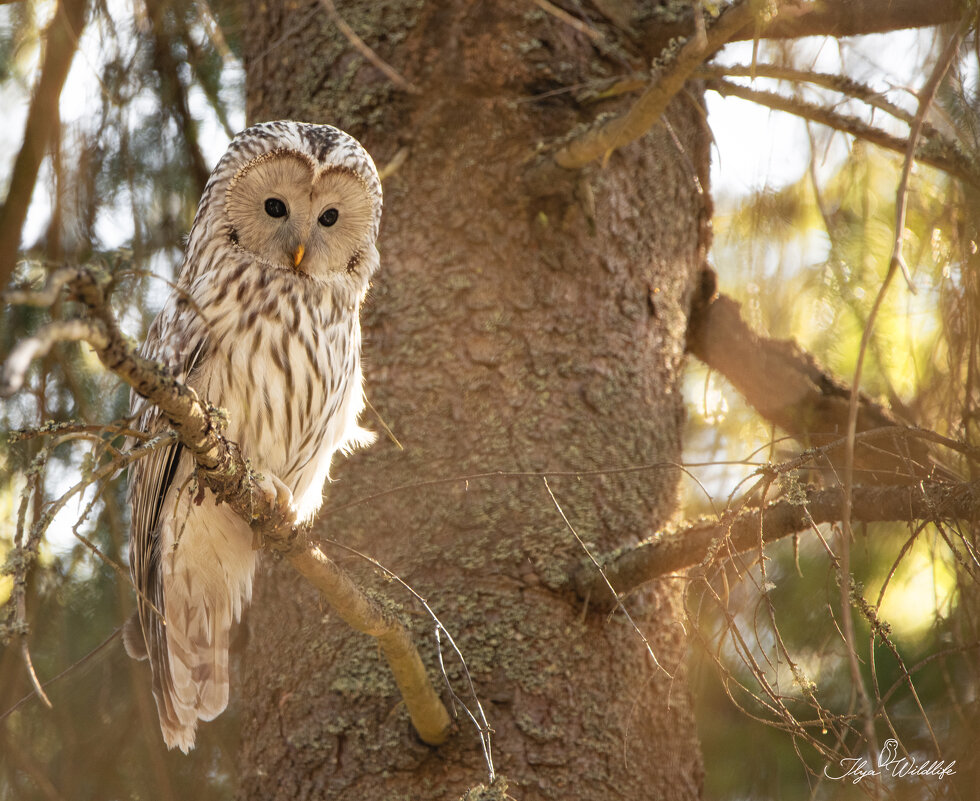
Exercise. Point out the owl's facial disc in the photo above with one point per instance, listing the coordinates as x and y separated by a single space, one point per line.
341 214
287 216
268 207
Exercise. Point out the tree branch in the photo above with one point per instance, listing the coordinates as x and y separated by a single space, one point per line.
25 351
828 18
598 141
790 389
735 533
61 41
827 80
941 155
840 18
224 470
739 21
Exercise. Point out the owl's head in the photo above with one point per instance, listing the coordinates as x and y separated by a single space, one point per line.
295 196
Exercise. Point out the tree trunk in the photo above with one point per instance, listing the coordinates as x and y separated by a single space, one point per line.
508 330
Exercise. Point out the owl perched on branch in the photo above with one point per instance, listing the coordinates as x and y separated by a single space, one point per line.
263 322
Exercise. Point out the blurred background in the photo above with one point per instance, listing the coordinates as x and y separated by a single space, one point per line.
804 228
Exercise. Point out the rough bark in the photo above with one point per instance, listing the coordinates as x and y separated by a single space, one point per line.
505 331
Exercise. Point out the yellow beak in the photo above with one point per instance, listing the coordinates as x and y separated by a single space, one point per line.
298 255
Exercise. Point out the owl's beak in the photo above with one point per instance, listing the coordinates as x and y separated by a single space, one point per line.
298 255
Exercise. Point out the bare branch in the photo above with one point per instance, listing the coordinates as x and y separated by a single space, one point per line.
827 80
835 18
942 156
226 473
701 543
20 358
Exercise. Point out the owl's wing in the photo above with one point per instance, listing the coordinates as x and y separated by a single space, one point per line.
178 339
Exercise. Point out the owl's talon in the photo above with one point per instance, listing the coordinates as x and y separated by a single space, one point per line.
277 495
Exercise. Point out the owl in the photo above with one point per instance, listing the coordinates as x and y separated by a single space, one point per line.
263 321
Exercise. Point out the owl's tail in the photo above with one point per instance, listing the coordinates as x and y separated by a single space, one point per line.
195 681
205 591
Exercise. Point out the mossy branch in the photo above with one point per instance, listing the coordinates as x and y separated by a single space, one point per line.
734 533
602 139
225 471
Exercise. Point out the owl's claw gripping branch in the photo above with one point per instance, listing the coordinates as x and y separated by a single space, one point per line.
279 532
264 501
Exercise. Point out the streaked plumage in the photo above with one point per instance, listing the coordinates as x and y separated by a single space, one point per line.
269 331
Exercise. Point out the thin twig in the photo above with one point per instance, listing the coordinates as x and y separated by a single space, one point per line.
359 44
25 550
568 19
849 593
602 573
77 663
926 97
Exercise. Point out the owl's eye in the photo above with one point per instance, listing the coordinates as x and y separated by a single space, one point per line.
274 207
329 217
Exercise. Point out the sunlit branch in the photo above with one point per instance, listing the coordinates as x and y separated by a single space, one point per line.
826 80
703 542
835 18
941 155
787 387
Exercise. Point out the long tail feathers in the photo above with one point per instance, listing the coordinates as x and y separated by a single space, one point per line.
198 633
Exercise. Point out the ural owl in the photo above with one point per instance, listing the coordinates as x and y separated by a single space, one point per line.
263 321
